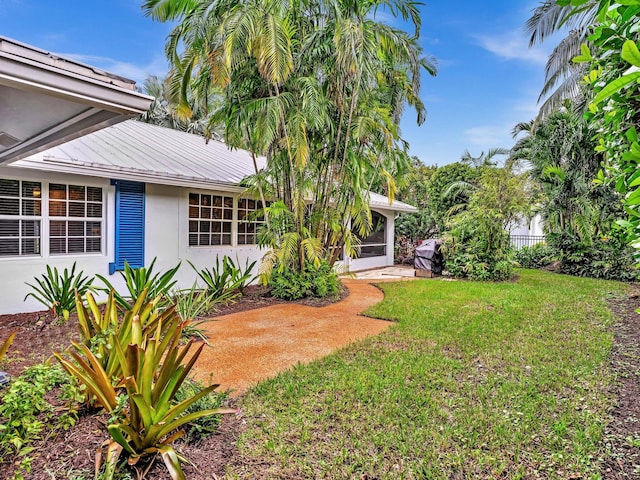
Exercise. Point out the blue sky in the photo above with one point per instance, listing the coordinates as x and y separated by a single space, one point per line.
488 79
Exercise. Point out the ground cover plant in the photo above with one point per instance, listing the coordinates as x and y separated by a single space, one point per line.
477 380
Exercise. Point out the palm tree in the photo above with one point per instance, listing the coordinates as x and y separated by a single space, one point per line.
562 75
315 86
194 117
560 154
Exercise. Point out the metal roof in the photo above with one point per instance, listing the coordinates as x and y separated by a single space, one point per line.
380 201
134 150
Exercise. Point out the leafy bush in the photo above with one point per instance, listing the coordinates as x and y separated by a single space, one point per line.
140 279
608 258
416 226
313 281
477 247
154 366
25 413
57 292
537 256
190 305
404 250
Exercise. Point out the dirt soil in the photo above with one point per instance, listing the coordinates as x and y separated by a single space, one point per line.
621 447
70 452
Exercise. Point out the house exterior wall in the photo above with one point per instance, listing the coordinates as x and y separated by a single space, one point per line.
534 227
166 239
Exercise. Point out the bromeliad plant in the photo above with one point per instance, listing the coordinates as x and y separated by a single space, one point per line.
139 279
225 281
191 305
101 331
153 367
57 292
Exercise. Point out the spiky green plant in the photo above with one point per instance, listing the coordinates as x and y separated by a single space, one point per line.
153 369
57 292
102 330
139 279
226 279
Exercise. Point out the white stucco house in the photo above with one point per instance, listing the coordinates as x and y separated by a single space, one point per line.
133 192
79 183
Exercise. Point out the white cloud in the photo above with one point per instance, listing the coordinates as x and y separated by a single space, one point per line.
158 66
487 136
513 45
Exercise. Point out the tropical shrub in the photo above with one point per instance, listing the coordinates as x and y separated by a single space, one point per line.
404 250
537 256
477 247
606 257
57 292
153 370
439 204
190 305
416 226
140 279
313 281
107 335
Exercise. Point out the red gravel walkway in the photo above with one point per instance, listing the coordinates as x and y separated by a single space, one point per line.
257 344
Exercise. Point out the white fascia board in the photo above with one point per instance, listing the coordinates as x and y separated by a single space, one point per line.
25 74
394 208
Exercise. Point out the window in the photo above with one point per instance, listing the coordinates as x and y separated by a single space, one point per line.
75 224
20 212
210 219
375 245
250 218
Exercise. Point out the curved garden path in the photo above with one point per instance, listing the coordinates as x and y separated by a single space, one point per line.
255 345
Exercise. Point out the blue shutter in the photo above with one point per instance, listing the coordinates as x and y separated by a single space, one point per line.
129 241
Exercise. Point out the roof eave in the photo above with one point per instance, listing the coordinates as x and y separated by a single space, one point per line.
105 99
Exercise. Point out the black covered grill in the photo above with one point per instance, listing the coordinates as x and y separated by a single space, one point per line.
428 256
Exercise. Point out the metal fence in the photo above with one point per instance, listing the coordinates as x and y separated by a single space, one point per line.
519 241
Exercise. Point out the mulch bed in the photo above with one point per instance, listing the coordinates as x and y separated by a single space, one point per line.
73 451
621 447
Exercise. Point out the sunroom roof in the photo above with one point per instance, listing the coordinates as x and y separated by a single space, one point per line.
46 100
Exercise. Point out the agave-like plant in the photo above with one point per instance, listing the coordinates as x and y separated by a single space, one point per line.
57 292
139 279
153 369
226 280
102 330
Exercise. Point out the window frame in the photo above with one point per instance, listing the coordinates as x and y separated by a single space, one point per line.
256 223
45 218
369 244
68 219
21 217
200 220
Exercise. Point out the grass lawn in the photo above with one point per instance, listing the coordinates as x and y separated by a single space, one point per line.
476 380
